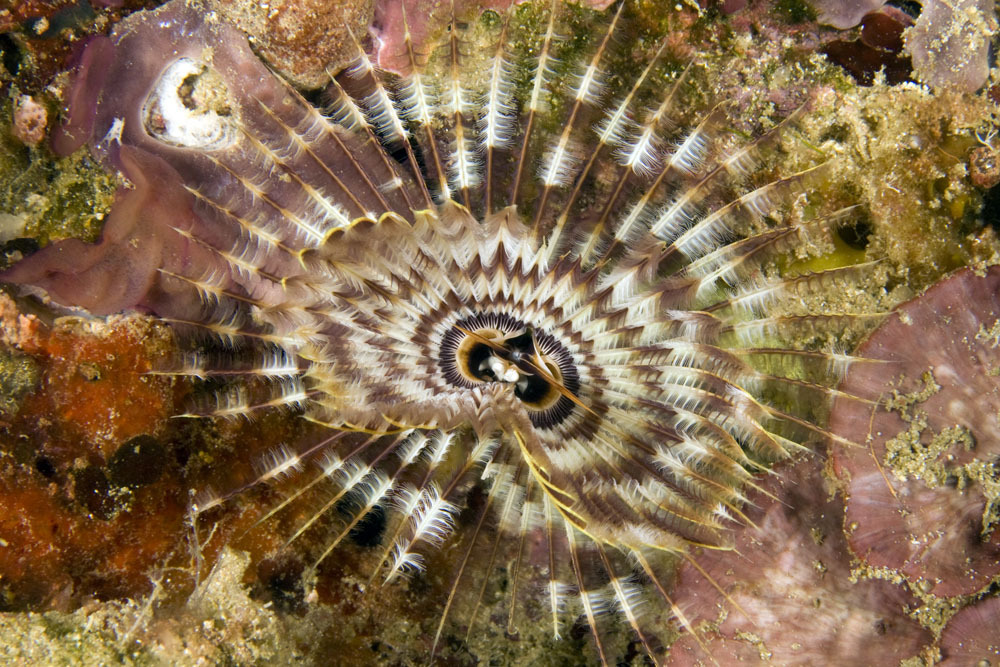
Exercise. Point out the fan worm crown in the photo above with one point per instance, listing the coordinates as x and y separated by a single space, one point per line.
508 271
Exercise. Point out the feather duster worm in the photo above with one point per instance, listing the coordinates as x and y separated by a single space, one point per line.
508 286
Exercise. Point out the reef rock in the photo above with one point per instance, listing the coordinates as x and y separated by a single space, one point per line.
304 40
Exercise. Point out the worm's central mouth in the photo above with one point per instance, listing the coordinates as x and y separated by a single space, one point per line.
496 347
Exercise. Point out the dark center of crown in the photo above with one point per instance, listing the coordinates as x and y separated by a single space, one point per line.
497 348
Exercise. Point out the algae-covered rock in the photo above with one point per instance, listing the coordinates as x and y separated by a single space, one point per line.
19 375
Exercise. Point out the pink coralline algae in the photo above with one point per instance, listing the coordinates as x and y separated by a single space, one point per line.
922 492
972 637
844 13
30 121
789 594
950 43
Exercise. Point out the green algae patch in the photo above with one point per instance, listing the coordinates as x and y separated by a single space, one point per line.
56 639
795 11
898 151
